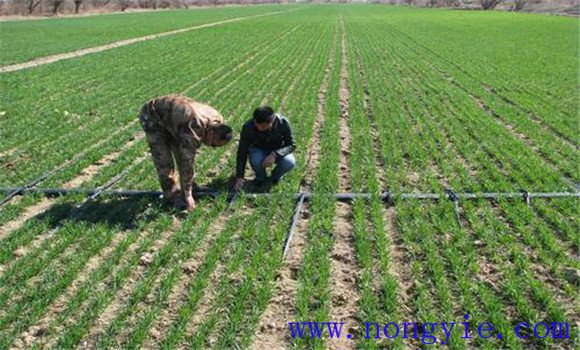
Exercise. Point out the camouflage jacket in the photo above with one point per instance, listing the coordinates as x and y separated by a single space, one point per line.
183 117
277 139
184 122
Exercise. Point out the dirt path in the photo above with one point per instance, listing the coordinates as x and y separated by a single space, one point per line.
344 134
314 147
272 330
344 268
64 56
368 108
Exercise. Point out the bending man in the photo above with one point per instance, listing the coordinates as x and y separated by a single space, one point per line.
175 127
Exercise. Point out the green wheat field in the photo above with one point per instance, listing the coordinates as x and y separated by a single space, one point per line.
380 98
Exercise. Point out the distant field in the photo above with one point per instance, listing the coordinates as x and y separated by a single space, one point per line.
380 98
26 40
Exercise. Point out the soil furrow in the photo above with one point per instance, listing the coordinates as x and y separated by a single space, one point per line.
42 330
314 146
272 332
115 306
344 269
180 291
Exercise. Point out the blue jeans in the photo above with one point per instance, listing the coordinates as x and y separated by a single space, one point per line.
283 164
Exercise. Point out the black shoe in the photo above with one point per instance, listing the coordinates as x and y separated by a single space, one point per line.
275 181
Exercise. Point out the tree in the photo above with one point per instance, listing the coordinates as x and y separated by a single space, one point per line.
77 5
124 4
146 4
519 5
32 4
489 4
56 4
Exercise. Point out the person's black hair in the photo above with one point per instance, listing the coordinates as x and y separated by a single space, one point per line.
224 132
264 114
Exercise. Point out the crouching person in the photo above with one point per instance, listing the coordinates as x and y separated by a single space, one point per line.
266 140
175 127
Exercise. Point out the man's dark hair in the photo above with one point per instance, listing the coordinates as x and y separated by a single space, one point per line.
263 114
223 132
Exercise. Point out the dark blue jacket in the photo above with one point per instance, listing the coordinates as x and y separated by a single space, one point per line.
277 139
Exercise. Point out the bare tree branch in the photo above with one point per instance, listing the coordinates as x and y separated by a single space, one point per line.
33 4
489 4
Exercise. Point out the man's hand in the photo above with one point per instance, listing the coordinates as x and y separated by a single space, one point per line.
189 203
269 160
238 184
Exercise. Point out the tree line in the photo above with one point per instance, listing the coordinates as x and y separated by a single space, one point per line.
55 7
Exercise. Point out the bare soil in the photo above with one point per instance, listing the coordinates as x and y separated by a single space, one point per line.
345 272
344 268
345 132
272 330
314 147
399 266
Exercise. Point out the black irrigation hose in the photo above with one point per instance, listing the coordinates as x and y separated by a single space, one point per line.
31 184
76 210
92 196
453 197
293 224
386 196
